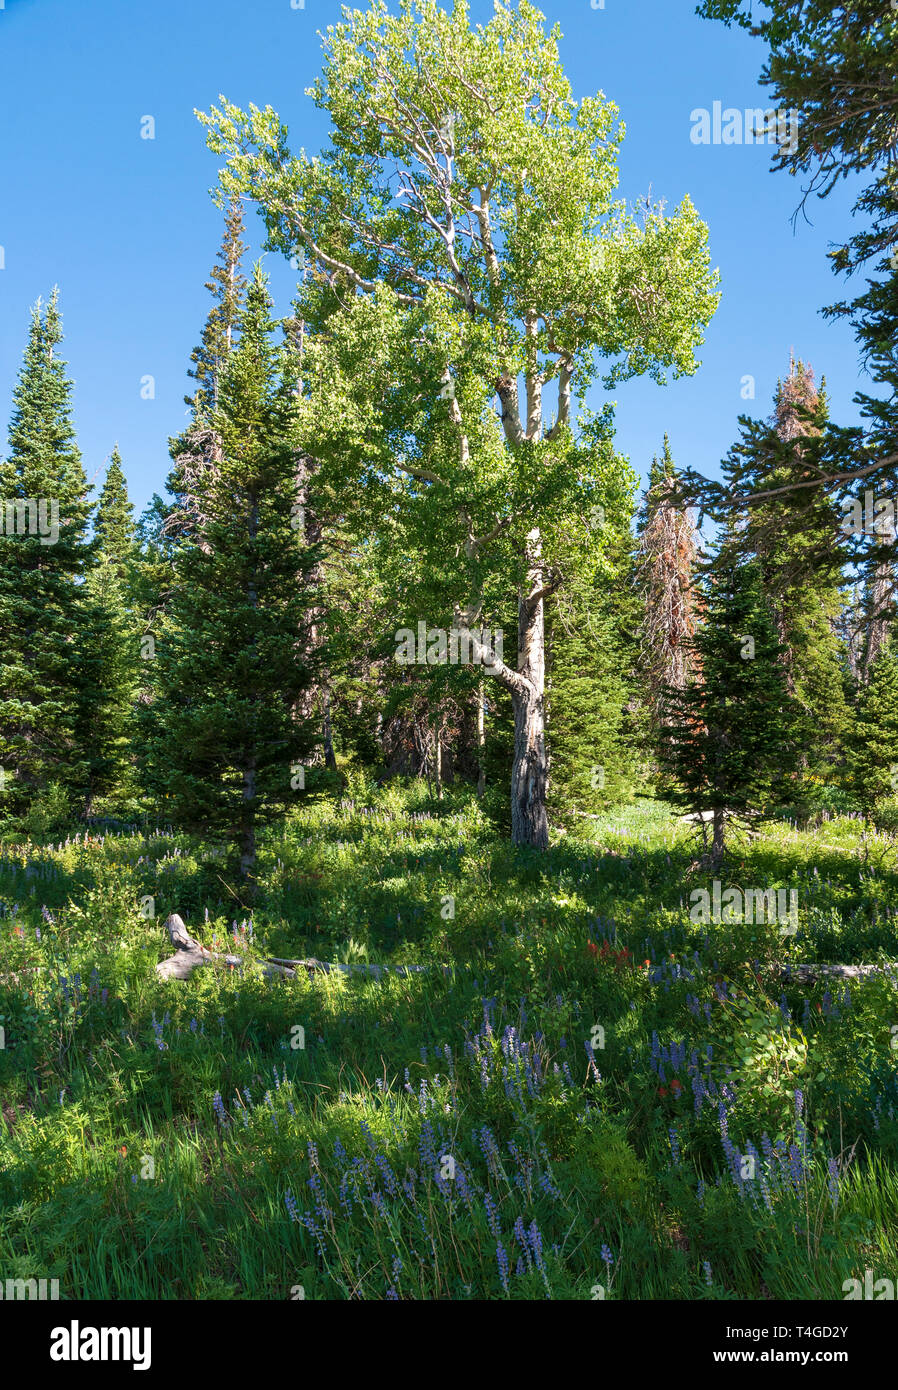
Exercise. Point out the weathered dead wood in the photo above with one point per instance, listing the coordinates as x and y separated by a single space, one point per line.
190 953
356 968
808 974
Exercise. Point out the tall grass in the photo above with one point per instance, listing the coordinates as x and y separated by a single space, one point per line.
588 1094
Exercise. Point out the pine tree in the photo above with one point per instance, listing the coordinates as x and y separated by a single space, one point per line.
873 740
793 532
114 525
666 560
227 285
107 655
230 652
42 557
196 453
874 315
727 737
591 625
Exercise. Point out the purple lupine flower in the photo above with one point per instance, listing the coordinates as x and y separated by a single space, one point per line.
722 1117
796 1165
292 1207
520 1235
706 1266
492 1215
219 1108
502 1261
548 1186
391 1182
536 1244
321 1206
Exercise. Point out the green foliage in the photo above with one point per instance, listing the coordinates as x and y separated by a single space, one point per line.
232 648
107 658
228 289
105 1066
729 737
872 768
591 651
43 553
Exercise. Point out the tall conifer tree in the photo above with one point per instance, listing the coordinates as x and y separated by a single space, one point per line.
728 737
774 515
230 654
42 557
665 565
591 625
872 758
227 285
107 656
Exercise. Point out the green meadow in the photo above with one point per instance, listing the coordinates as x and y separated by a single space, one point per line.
585 1095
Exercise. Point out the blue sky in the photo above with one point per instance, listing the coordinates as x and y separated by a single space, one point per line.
126 228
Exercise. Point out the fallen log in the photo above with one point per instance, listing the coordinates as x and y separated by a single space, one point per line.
190 953
809 974
356 968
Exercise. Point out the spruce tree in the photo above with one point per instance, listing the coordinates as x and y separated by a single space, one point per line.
197 450
872 760
772 515
43 550
728 737
874 315
227 285
230 652
591 629
107 655
665 565
114 524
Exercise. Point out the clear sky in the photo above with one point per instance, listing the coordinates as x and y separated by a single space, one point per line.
126 228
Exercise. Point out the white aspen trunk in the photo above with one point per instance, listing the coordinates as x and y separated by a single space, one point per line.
530 771
481 741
